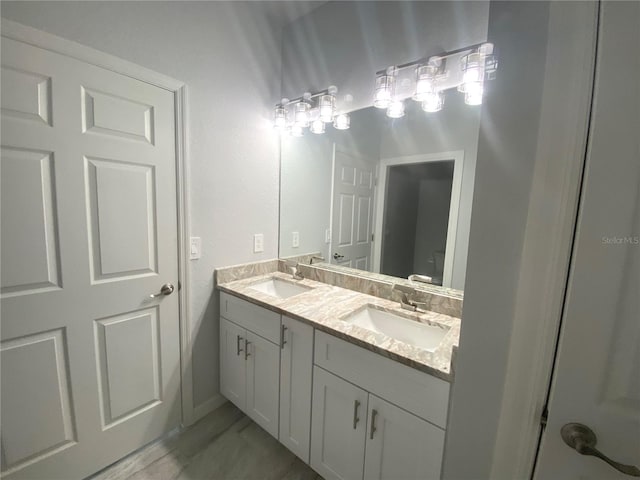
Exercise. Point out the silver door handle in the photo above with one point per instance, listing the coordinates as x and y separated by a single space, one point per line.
374 414
283 334
583 440
238 348
166 289
246 348
337 256
356 419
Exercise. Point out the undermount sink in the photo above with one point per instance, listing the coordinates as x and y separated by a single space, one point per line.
279 288
421 335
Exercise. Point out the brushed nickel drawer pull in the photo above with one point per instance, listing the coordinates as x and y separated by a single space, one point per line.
356 406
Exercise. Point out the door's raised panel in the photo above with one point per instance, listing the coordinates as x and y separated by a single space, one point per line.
30 257
346 212
122 228
362 263
263 382
110 114
129 370
37 412
26 95
364 218
366 179
348 175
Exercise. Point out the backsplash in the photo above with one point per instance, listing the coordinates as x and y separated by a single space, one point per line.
441 300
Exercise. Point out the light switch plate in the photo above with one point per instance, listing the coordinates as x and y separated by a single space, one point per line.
195 248
295 239
327 235
258 243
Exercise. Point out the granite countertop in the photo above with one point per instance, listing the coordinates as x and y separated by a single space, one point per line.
323 305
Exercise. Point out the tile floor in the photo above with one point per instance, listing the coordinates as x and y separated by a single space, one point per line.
225 445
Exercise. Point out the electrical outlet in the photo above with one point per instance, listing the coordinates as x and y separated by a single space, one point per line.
258 243
195 251
295 239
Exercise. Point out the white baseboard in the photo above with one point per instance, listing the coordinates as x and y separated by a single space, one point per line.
207 407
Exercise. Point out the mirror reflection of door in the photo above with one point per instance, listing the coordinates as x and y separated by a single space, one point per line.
415 219
352 210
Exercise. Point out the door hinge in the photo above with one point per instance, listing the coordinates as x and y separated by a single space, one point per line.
544 416
372 237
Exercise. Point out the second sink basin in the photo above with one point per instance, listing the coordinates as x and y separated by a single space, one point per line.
279 288
421 335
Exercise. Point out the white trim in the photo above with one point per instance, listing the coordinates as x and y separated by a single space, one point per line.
549 234
454 208
208 406
62 46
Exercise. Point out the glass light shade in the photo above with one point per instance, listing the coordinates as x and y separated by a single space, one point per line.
425 82
396 109
384 91
280 118
473 93
433 102
327 106
296 130
341 122
317 126
472 66
301 114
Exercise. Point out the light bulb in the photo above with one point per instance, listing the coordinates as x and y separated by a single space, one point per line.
301 114
384 91
296 130
327 106
433 102
317 126
396 109
425 82
280 118
472 66
473 93
341 122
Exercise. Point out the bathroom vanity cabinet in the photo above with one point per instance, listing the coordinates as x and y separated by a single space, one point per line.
348 412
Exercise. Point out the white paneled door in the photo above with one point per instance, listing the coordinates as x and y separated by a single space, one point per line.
352 210
90 363
596 382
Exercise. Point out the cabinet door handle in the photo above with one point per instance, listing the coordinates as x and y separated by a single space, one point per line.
374 414
246 348
238 347
283 333
356 406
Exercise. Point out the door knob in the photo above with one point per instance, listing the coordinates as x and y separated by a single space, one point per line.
583 440
166 289
337 256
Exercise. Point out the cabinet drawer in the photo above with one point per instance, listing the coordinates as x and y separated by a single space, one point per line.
256 319
422 394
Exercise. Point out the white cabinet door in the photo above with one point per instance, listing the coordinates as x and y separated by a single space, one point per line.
401 446
296 369
263 382
338 427
232 363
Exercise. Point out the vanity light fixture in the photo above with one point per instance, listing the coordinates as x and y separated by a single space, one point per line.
312 110
342 121
383 94
426 80
395 109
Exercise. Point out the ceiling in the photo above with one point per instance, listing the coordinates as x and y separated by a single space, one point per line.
285 12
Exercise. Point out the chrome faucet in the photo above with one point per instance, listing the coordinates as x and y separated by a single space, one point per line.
406 302
294 267
316 257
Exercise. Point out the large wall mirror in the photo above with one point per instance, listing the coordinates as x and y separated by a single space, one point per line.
390 196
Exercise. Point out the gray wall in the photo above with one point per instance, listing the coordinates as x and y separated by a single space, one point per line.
230 59
345 43
431 229
504 175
